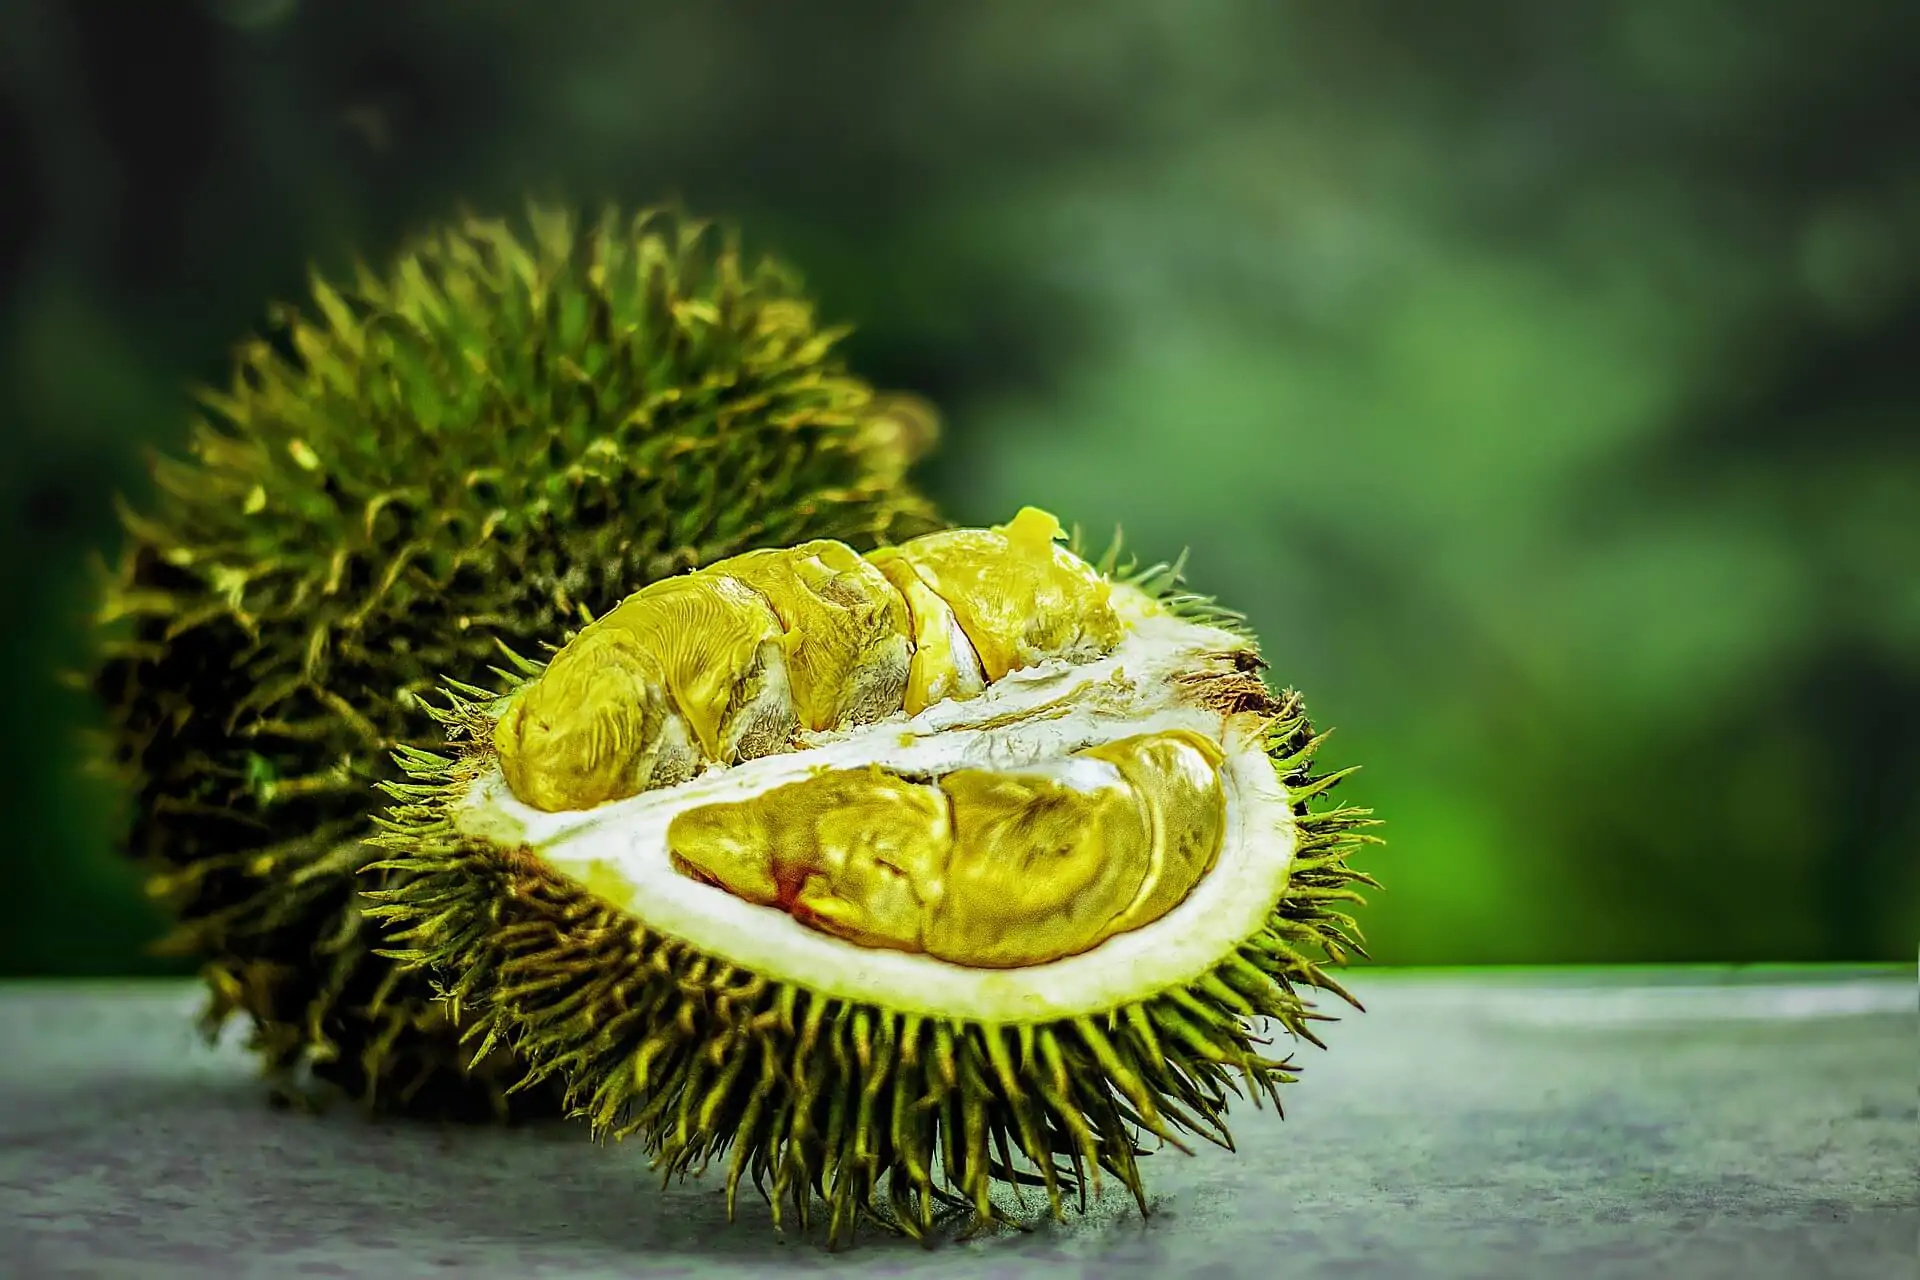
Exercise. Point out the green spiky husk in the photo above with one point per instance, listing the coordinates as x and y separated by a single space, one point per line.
502 430
825 1103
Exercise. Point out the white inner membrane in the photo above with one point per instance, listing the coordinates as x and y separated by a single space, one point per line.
1028 718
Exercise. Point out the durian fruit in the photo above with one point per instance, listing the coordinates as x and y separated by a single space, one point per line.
1014 911
467 449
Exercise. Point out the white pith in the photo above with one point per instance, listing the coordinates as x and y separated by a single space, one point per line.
1029 718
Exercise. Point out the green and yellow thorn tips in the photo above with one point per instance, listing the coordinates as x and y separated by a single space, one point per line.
462 455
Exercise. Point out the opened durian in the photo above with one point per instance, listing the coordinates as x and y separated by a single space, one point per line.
889 878
464 451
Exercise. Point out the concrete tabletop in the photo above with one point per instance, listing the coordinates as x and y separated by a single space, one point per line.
1684 1123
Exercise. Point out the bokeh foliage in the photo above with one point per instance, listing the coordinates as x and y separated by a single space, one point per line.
1539 378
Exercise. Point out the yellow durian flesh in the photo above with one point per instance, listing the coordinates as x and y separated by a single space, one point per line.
1176 776
631 737
714 642
857 853
944 664
992 868
754 651
1019 595
847 641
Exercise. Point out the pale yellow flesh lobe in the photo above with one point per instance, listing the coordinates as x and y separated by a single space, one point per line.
709 637
746 655
1019 596
847 638
944 664
984 868
599 726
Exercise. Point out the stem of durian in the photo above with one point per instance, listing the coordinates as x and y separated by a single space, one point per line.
736 660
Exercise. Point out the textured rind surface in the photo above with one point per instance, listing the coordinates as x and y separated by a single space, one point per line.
501 431
823 1103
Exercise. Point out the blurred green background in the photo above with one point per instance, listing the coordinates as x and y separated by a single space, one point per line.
1540 378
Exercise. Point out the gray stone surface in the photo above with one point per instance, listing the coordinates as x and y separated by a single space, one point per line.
1685 1123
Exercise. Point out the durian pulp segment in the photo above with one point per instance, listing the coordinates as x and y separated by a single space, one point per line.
944 664
1018 595
752 650
710 643
845 638
620 850
990 868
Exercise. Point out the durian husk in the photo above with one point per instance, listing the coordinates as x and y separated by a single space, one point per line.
837 1111
467 449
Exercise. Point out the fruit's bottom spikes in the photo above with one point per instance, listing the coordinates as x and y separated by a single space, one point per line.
371 1031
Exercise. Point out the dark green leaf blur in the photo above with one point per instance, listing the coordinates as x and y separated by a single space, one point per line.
1540 378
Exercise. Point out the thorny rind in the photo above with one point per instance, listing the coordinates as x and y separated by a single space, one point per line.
823 1103
495 435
